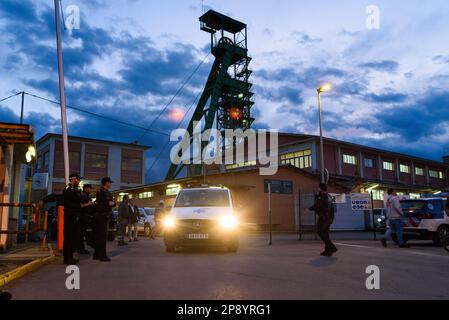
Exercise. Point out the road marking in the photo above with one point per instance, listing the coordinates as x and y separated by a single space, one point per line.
404 251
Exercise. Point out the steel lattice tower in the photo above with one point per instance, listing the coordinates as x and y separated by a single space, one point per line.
227 94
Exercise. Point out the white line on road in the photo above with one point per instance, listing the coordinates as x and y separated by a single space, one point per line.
404 251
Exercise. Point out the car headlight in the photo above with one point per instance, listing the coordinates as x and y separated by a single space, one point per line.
169 223
228 222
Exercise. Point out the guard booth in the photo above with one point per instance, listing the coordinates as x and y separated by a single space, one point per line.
17 155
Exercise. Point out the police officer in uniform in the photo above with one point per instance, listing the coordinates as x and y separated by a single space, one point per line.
86 214
72 212
104 205
323 209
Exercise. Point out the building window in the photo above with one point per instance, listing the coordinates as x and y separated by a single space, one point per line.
97 161
46 163
131 164
404 168
436 174
369 163
146 195
241 165
349 159
388 166
39 164
419 171
378 195
173 190
301 160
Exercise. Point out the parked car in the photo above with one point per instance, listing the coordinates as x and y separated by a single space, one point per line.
202 217
147 223
426 219
380 219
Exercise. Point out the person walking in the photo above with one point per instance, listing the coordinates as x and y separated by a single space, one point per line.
123 220
72 211
394 216
104 205
133 220
86 211
323 208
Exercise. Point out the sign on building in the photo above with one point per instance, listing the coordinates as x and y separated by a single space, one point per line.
360 201
40 181
338 197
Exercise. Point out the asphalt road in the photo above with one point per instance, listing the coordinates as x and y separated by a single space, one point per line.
287 270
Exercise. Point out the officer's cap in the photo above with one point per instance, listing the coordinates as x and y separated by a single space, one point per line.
106 180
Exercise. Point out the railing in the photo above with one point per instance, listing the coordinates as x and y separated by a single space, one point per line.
37 212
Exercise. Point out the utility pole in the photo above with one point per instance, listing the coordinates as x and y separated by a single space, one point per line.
21 110
65 140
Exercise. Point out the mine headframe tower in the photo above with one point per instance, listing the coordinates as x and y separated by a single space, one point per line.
227 95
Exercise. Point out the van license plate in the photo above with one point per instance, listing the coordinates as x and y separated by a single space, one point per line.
197 236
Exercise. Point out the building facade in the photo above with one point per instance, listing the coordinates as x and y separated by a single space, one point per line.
352 169
93 159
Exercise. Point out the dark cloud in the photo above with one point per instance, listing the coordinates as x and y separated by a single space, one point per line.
441 59
419 120
388 97
385 65
303 38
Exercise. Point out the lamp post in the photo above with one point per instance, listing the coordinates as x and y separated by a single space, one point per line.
320 90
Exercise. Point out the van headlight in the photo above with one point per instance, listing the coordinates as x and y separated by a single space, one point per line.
228 222
169 223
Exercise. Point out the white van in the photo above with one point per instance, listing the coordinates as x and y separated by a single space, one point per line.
200 217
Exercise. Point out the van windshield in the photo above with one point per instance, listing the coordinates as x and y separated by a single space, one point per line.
202 198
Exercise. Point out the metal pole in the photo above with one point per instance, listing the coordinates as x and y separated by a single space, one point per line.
372 214
21 110
269 214
300 216
65 140
321 138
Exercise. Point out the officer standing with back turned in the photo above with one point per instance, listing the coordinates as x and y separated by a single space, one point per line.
105 203
72 212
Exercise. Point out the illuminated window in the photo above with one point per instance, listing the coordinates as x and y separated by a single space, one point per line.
241 165
146 195
436 174
378 195
419 171
349 159
302 159
172 191
97 161
388 166
404 168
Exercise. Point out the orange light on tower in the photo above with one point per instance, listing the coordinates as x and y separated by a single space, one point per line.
235 113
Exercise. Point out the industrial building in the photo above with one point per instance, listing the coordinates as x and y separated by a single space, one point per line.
91 158
352 168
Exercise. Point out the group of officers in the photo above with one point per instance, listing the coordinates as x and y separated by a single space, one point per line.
78 209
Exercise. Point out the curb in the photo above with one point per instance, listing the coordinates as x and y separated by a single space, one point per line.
29 267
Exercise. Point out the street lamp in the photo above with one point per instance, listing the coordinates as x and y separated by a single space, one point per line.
320 90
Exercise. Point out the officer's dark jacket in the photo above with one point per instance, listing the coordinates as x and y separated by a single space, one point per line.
85 198
322 206
72 200
102 202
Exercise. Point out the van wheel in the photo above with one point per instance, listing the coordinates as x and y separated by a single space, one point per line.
147 230
395 239
441 236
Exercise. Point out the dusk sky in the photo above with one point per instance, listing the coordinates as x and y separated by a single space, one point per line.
129 57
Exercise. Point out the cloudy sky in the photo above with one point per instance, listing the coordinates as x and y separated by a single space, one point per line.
130 57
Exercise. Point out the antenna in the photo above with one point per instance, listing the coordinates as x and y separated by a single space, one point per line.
202 6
